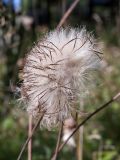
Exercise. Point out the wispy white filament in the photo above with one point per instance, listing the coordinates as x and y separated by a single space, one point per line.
57 71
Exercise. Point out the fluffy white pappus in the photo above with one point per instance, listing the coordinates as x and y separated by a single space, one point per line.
57 72
66 135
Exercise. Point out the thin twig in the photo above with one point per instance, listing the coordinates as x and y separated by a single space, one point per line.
67 13
54 157
89 117
29 138
29 134
80 137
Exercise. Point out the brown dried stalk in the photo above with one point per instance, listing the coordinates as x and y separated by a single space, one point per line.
54 157
67 13
30 142
89 117
30 136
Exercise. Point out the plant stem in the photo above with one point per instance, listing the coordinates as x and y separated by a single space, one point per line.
54 157
80 136
30 136
30 142
67 13
89 117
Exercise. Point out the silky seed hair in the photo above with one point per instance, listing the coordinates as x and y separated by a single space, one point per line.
57 72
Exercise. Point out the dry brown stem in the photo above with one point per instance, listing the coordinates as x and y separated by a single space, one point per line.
67 13
30 136
89 117
54 157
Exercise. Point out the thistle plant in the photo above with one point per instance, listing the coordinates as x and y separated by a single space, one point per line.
57 73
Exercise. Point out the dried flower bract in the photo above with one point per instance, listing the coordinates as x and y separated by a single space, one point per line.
57 71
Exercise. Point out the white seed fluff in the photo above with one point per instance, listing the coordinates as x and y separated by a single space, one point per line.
57 72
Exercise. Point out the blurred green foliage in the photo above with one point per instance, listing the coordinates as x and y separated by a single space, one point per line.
15 41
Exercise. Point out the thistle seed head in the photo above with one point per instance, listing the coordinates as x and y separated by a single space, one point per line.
57 72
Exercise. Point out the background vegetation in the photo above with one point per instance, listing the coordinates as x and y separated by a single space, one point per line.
18 31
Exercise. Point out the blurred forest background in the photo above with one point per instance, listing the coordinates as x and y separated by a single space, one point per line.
22 22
